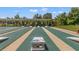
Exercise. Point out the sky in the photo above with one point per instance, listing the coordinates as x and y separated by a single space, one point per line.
30 11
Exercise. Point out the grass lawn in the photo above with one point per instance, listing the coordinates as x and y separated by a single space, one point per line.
69 27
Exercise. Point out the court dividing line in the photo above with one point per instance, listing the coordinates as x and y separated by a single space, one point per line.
67 31
11 32
59 43
18 42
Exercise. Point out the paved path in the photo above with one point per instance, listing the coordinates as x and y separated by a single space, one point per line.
18 42
59 43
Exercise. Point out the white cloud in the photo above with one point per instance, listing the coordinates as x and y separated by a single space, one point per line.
54 12
60 11
17 11
36 10
44 9
2 17
33 10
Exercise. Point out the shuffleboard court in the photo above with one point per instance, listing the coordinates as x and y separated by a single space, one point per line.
7 29
63 37
13 46
38 32
67 31
59 43
12 37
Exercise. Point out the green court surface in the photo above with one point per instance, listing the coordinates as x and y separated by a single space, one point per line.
37 32
7 29
12 37
63 37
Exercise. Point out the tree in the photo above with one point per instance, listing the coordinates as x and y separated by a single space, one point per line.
37 16
17 16
40 16
47 16
74 15
24 18
62 19
8 18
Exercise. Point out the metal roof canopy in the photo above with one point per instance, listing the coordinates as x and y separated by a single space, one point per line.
73 38
38 39
3 38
